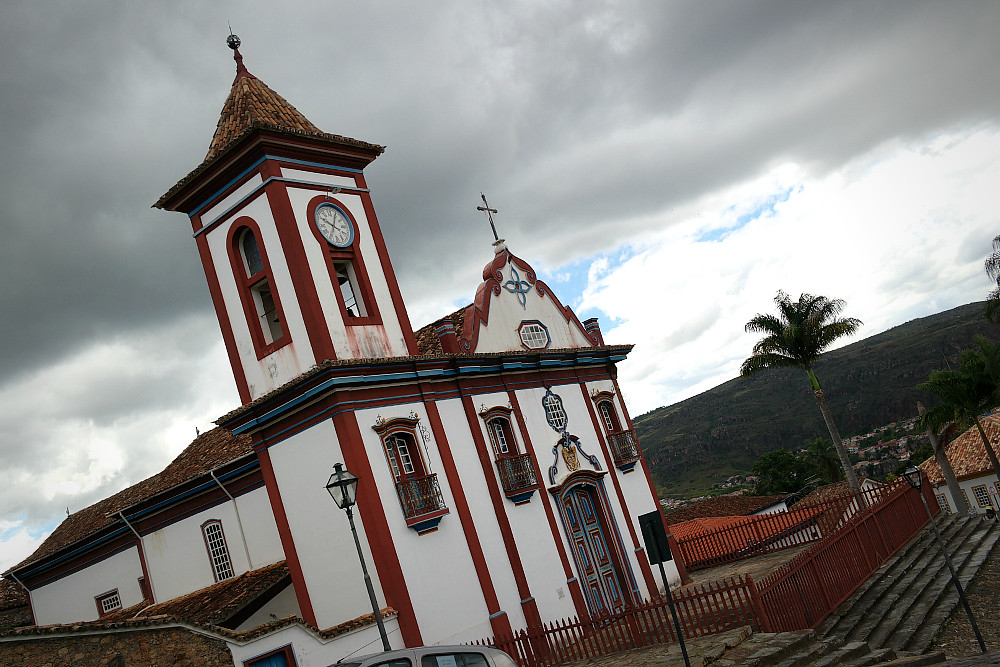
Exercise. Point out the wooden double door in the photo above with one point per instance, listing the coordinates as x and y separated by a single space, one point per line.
601 570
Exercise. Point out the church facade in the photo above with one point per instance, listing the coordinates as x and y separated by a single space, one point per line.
500 477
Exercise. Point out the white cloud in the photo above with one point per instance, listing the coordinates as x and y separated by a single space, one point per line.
884 233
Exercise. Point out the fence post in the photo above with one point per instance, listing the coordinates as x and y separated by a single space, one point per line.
757 605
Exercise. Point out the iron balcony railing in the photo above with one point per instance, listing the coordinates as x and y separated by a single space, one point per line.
516 472
624 447
420 495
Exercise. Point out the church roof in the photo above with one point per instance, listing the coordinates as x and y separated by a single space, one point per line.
218 603
427 339
250 107
208 451
252 101
966 453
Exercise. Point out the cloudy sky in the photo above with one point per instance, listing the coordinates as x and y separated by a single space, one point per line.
665 166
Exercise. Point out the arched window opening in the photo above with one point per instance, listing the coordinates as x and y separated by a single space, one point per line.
418 490
347 280
261 304
501 436
404 456
610 416
218 552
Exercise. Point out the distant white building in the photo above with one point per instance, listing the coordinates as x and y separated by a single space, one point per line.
972 468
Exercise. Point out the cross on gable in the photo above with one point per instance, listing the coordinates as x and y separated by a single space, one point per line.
489 214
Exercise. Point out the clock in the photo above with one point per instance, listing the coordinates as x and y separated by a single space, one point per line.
334 225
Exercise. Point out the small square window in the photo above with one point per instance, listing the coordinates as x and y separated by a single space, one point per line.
942 502
982 495
108 602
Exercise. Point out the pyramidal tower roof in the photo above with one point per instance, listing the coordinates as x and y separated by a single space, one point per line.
253 110
251 103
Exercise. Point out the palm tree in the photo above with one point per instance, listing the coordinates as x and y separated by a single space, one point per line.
993 271
934 432
968 392
796 337
822 456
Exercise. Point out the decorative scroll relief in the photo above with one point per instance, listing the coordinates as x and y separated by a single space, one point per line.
568 454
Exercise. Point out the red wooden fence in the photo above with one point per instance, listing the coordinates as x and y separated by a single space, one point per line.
751 536
861 532
801 593
702 610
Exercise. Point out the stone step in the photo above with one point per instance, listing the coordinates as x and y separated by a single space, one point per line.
847 652
808 654
777 646
889 571
876 657
866 600
875 622
918 621
920 637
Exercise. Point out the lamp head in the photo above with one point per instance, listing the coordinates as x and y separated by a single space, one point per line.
914 476
343 487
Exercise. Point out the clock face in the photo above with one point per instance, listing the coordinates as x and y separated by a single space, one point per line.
334 225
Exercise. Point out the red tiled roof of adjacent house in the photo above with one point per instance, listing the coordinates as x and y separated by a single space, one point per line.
215 604
720 506
428 341
724 541
208 451
966 453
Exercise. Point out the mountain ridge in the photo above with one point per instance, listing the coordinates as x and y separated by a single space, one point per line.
699 441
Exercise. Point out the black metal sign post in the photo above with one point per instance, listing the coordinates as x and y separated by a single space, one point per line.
658 550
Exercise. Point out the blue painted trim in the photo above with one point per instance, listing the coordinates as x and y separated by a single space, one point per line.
276 179
428 525
257 163
498 614
527 600
522 497
627 467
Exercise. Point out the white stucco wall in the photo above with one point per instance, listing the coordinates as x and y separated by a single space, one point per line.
323 542
177 558
292 359
385 340
437 557
312 651
281 605
71 599
967 485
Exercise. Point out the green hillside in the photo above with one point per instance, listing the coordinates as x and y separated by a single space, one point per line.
698 442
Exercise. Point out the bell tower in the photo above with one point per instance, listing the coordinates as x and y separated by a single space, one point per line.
287 234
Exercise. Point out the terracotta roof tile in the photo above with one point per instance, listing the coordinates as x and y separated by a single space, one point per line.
966 453
215 604
251 100
209 450
11 595
428 341
720 506
725 542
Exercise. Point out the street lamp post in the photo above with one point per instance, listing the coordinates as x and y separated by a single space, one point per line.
343 488
914 476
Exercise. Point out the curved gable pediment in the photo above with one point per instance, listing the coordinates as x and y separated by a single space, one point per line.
514 310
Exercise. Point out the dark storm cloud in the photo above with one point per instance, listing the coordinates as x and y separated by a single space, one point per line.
583 122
